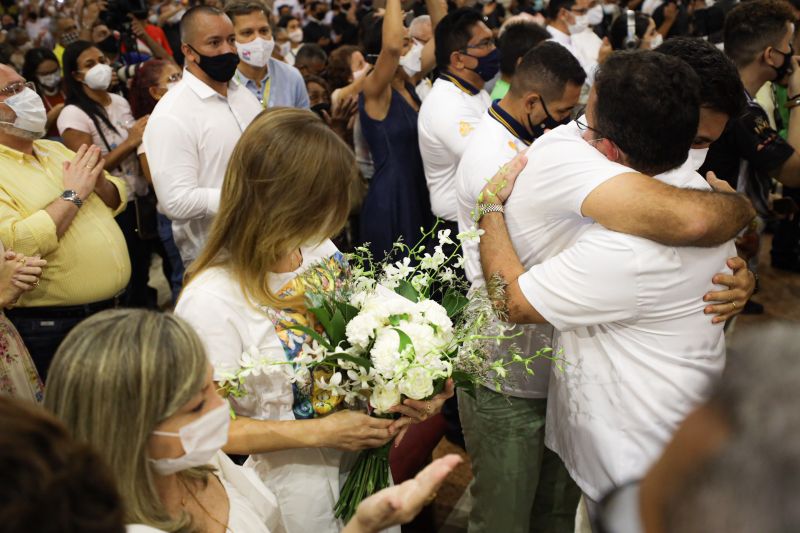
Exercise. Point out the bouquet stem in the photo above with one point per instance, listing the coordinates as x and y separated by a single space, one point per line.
369 475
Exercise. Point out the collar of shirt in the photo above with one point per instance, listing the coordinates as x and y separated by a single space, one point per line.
510 123
199 87
38 151
251 84
559 36
461 84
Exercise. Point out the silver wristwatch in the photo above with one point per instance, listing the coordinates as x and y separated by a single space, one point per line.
490 208
72 196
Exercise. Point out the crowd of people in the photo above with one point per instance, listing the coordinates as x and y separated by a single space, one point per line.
623 162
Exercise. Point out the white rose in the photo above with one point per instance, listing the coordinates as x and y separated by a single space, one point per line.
361 329
435 314
384 397
385 352
417 384
422 337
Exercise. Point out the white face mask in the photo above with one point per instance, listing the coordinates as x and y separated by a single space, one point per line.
286 49
29 108
580 25
697 156
257 52
656 41
296 36
51 80
595 15
172 84
98 77
412 60
358 74
200 439
153 19
610 9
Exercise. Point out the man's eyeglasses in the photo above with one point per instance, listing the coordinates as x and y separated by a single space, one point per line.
16 88
486 44
583 126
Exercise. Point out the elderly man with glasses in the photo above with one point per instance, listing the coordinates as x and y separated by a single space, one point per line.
60 206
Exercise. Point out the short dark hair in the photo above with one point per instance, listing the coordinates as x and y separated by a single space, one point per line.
50 482
192 13
619 29
750 27
453 34
551 12
283 22
516 40
547 69
245 7
721 88
648 104
310 52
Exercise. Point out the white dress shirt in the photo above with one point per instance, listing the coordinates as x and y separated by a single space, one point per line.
640 353
448 116
188 141
581 47
495 141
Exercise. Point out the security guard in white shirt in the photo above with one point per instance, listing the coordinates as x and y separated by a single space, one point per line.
505 428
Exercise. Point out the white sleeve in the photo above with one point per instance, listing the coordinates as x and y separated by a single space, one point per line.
595 281
172 153
215 323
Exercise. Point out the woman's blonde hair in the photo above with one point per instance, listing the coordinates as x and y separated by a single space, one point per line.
287 184
115 377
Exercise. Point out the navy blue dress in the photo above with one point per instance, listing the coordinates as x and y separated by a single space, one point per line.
397 202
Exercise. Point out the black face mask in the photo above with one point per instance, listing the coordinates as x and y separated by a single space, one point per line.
219 68
319 108
549 122
786 67
108 45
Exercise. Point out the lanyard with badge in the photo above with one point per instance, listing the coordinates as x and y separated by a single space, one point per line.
264 95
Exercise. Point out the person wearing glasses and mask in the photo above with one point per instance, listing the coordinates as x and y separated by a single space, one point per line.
195 126
273 82
568 24
59 206
467 59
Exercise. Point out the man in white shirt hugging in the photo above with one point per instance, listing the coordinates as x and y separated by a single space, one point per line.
639 351
195 126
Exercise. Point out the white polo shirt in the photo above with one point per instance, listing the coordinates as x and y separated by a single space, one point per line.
495 141
580 46
640 352
188 141
447 118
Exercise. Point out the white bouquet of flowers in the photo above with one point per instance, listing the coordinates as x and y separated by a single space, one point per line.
391 330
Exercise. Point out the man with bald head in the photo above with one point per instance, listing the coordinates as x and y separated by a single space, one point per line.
59 206
195 126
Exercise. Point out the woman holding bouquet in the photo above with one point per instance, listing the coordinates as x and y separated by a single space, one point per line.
286 192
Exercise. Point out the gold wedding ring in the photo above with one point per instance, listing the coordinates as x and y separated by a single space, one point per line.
430 498
733 304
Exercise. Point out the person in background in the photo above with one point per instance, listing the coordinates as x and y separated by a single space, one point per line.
59 206
272 82
43 69
345 23
195 126
311 59
672 18
467 58
52 483
420 29
568 18
501 427
169 19
315 31
64 31
294 32
20 43
18 375
229 305
93 115
397 204
750 154
645 36
347 70
514 42
152 81
342 119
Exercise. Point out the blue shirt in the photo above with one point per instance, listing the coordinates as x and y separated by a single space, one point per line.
287 88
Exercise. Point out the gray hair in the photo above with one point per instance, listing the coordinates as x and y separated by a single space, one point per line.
418 24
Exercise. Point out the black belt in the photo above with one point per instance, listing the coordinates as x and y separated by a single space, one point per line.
70 311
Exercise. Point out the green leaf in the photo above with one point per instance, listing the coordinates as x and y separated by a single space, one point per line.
405 289
313 334
396 319
454 302
323 315
360 361
405 340
348 311
336 333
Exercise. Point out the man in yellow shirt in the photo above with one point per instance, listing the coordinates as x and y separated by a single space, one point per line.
60 206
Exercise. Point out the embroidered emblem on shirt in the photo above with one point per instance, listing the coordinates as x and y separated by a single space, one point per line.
465 128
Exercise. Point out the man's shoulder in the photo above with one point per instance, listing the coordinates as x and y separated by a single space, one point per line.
286 70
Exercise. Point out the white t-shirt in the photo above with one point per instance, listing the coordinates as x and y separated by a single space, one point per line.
640 352
306 481
491 146
580 47
188 140
119 114
448 116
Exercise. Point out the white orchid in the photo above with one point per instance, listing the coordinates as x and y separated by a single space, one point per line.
444 237
470 236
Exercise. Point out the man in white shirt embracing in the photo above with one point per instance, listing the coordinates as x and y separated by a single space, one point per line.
626 296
